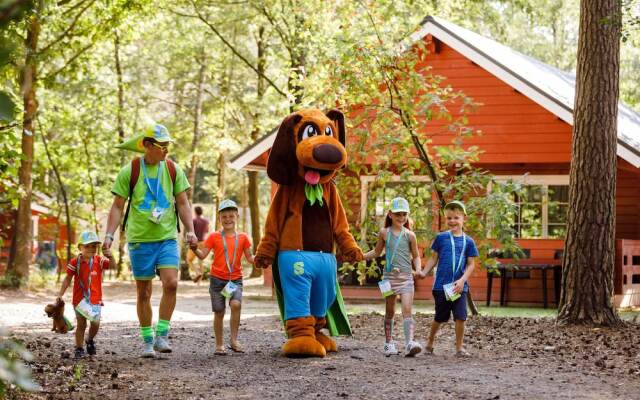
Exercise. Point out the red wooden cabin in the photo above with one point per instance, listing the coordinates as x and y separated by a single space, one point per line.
526 119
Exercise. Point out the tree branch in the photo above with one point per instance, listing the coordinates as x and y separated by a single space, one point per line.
68 30
70 61
236 52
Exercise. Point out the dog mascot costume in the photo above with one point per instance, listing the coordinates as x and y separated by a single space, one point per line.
305 219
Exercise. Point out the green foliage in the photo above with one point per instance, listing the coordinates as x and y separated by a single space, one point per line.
400 105
13 372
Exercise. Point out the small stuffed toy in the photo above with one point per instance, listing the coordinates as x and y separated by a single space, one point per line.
306 220
56 311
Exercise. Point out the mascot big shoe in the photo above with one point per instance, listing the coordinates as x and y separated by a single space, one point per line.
306 219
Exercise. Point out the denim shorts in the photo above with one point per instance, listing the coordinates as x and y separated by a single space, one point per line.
444 307
147 258
218 301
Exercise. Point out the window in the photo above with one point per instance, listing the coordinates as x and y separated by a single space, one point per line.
542 209
375 203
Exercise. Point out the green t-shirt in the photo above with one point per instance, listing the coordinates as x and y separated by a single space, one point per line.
139 227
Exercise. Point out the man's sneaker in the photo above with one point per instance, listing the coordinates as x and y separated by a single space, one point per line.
79 353
390 349
412 348
147 351
91 347
162 345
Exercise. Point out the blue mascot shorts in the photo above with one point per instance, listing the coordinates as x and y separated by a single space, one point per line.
308 282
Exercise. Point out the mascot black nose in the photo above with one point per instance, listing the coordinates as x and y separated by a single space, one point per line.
327 153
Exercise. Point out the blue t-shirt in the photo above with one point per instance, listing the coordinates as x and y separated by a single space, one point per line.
442 246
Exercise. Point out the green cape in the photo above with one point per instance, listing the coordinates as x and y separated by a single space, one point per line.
337 319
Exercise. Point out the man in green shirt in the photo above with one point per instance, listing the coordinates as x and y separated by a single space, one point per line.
151 229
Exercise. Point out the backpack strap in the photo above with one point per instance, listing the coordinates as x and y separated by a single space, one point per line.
172 173
135 173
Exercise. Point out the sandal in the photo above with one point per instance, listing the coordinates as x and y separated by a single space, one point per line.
220 352
428 350
237 348
463 354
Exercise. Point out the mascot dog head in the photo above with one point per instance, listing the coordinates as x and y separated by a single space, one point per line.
309 146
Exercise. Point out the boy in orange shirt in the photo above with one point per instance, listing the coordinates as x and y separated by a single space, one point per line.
225 277
86 272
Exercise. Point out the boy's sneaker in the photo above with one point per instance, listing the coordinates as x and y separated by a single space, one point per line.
161 344
91 347
412 348
390 349
79 353
147 351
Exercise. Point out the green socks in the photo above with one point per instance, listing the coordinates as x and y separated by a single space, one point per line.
162 328
147 334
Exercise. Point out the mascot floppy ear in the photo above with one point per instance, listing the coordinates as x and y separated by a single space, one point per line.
338 118
282 164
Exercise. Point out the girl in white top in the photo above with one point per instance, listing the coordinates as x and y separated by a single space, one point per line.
401 250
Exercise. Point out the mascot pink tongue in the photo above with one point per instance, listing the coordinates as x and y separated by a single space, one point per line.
312 177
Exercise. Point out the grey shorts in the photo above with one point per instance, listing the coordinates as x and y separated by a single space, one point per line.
216 285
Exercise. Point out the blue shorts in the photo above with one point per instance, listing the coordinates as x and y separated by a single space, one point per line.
147 258
308 282
444 307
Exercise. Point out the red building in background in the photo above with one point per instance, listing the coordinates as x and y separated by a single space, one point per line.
526 118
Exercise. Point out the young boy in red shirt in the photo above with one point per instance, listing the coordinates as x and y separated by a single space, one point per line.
225 278
86 271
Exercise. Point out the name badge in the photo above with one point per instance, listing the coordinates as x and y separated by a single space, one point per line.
88 310
449 293
229 289
385 288
156 214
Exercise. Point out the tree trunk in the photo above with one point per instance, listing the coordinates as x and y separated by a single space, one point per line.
254 203
92 188
63 192
589 252
19 266
195 139
122 238
222 172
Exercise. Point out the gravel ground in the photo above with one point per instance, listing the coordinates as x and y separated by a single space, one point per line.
512 358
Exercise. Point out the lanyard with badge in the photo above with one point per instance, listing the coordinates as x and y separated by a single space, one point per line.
384 284
230 287
158 212
85 308
448 288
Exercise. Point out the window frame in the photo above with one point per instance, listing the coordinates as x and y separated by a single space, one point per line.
538 180
366 180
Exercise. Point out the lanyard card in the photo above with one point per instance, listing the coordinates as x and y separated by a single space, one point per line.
449 293
88 310
385 288
229 289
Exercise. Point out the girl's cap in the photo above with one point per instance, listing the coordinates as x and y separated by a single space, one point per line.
399 204
227 203
88 237
456 205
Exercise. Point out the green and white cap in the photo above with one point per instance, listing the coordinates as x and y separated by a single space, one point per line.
453 205
88 237
399 204
226 204
157 132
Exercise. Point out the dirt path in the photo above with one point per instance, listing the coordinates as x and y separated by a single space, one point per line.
513 358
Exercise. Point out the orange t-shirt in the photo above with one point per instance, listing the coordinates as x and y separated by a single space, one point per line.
219 266
99 264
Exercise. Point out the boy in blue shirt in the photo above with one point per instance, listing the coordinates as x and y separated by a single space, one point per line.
454 252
